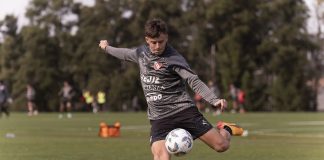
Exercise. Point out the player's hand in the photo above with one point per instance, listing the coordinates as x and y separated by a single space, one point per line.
222 104
103 44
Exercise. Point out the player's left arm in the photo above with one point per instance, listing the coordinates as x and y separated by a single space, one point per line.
200 87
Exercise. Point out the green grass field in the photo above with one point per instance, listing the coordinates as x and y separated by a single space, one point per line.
272 136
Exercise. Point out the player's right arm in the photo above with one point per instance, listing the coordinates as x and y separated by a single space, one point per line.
120 53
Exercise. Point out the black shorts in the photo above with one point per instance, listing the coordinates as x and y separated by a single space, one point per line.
65 100
189 119
32 100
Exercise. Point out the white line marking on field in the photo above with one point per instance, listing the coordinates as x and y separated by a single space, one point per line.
301 123
288 134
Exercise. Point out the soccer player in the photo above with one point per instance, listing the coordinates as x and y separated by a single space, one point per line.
31 97
163 74
66 93
4 98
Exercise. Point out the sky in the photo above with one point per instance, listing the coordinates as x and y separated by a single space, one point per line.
18 7
15 7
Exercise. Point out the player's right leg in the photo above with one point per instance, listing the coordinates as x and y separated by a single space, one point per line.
159 150
159 130
30 108
6 110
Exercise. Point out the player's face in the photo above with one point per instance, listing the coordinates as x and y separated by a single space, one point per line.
157 45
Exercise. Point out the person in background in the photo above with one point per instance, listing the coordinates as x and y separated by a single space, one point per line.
101 100
31 96
90 101
199 102
4 99
233 94
135 104
241 100
214 88
66 94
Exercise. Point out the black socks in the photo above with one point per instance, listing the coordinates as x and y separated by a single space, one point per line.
228 129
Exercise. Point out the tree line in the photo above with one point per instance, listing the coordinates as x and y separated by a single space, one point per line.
261 46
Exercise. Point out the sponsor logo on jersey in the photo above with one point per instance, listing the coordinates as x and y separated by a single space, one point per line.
150 79
153 87
153 97
157 65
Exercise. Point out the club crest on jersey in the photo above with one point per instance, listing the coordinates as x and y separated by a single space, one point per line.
157 65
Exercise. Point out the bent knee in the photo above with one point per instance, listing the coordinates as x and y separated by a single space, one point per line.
221 147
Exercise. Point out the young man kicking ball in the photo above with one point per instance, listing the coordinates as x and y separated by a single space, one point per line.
164 74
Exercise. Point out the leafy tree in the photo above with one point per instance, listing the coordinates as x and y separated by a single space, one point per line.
10 53
10 48
42 43
286 68
261 49
40 66
251 36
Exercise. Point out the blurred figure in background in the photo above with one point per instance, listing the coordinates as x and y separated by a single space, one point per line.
66 94
30 96
135 104
89 101
241 100
199 102
4 98
214 88
101 100
233 94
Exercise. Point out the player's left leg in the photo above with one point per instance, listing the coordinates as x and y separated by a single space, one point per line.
4 108
217 140
198 126
1 110
69 109
232 128
7 111
159 151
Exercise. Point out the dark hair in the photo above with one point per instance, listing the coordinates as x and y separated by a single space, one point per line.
154 27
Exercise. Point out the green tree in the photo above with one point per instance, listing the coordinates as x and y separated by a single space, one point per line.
10 53
289 44
121 30
42 41
10 48
253 44
250 37
40 66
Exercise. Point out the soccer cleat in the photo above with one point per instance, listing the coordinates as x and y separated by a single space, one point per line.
69 115
234 129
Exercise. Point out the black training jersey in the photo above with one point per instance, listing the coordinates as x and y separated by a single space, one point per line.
163 79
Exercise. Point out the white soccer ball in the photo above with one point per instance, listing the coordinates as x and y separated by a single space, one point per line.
178 142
